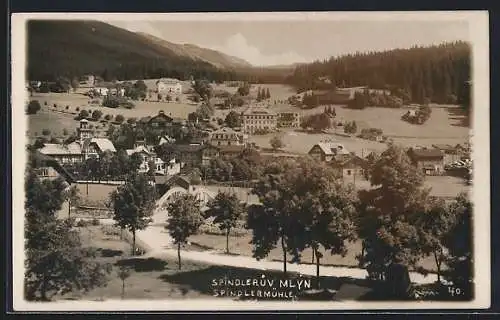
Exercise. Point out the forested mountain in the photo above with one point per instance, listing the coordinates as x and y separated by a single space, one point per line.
194 52
73 48
437 72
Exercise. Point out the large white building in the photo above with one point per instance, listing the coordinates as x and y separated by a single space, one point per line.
259 118
227 137
169 86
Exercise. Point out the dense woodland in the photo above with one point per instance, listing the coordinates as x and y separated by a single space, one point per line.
437 72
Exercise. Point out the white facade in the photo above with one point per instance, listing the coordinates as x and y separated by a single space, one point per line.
259 119
169 86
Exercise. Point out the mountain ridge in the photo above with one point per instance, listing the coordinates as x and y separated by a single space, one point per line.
214 57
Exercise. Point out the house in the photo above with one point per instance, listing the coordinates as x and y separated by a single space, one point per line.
429 161
49 168
326 151
169 86
160 121
63 154
451 153
350 167
258 118
94 147
288 120
227 137
149 157
189 154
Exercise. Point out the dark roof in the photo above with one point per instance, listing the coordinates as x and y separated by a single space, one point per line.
231 149
47 161
445 147
426 153
189 147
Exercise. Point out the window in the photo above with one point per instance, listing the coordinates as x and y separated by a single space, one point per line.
44 172
348 172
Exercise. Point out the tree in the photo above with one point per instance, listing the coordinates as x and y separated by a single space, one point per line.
276 143
55 261
168 98
123 274
84 114
119 118
73 197
233 119
75 83
46 132
434 225
360 101
459 243
271 221
268 94
62 84
131 120
133 204
324 211
244 90
33 107
259 94
203 89
184 220
96 115
226 210
108 117
388 221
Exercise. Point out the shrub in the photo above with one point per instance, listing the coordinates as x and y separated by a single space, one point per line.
67 107
33 107
46 132
65 132
45 103
119 118
95 222
108 117
77 109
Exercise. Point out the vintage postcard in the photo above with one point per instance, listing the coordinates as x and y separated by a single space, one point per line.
251 161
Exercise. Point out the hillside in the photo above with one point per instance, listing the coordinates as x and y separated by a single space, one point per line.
73 48
194 52
436 72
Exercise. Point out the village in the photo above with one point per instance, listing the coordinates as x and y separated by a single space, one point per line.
161 170
437 160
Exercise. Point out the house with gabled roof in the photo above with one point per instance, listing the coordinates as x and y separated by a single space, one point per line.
47 167
326 151
429 160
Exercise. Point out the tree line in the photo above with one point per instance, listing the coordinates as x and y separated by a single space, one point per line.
436 72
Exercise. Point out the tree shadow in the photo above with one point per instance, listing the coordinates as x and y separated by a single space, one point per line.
213 281
109 253
143 265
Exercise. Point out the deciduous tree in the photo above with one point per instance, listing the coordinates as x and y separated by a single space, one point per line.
226 210
184 220
133 204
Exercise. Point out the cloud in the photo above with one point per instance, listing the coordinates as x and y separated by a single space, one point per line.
237 45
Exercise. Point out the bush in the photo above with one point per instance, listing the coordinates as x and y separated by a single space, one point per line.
96 115
46 132
67 107
108 117
33 107
95 222
77 109
119 118
45 103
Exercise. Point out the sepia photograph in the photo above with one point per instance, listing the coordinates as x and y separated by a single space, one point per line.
250 161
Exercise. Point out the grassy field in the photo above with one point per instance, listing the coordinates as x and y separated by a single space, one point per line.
160 278
142 108
149 278
241 246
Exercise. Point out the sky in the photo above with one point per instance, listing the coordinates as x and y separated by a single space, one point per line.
264 43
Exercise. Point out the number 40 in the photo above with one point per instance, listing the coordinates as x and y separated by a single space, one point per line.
454 291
